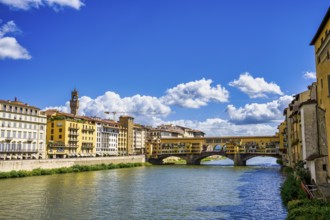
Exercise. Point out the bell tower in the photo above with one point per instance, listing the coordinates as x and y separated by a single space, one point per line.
74 102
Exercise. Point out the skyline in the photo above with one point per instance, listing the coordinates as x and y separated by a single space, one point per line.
212 66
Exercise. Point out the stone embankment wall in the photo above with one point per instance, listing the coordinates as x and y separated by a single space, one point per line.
9 165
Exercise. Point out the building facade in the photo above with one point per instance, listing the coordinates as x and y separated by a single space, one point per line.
107 138
69 135
321 43
22 131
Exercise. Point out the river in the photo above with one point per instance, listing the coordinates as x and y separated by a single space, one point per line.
215 190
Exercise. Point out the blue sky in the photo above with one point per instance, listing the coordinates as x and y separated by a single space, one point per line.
225 67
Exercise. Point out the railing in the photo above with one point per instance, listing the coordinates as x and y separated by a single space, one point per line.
73 128
87 146
73 140
73 134
9 138
18 151
88 129
270 151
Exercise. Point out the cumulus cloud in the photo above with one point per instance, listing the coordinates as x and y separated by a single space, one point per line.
259 113
255 87
221 127
28 4
145 108
9 47
309 75
195 94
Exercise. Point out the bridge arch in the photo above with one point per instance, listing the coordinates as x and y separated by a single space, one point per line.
203 156
247 158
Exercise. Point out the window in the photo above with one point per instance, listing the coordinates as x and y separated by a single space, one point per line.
51 137
321 83
60 136
328 85
52 125
60 130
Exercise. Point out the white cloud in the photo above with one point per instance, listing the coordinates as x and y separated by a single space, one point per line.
309 75
195 94
259 113
9 27
9 47
221 127
255 87
145 108
28 4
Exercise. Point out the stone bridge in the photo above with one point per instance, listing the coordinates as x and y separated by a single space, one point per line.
195 159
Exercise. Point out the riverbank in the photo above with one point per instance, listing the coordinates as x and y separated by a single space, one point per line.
73 169
29 165
296 200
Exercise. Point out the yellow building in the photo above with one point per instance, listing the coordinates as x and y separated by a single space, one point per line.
127 123
321 43
283 144
69 135
122 141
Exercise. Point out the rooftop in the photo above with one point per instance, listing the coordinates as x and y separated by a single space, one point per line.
319 30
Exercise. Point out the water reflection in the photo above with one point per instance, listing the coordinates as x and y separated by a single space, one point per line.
157 192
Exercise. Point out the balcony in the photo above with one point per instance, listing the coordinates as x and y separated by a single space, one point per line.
88 129
73 140
9 138
73 128
72 146
19 151
73 134
87 146
30 139
56 144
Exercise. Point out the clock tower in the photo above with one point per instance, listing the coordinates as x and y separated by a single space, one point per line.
74 102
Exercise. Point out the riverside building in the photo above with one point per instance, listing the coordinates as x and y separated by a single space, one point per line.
22 131
69 135
321 43
107 133
139 139
304 125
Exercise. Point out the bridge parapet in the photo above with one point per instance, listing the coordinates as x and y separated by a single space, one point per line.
195 159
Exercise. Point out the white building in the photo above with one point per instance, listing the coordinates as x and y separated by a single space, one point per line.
139 139
22 131
107 138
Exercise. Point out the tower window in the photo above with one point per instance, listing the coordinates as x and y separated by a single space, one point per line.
321 83
328 85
